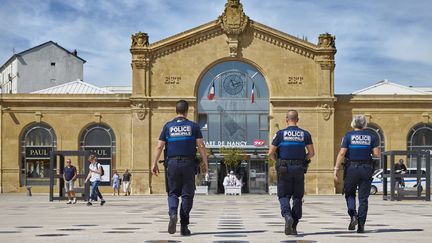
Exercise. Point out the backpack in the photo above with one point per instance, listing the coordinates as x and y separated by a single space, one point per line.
102 169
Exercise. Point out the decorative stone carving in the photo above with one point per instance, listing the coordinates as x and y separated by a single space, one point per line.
38 116
98 117
233 22
426 117
140 40
326 41
368 117
233 46
140 110
281 43
139 65
328 111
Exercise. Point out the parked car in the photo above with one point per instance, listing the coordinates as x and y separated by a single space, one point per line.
377 182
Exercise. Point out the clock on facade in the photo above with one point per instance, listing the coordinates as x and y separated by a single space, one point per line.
233 83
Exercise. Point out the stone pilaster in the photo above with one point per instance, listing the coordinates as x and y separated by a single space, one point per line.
325 59
140 146
140 65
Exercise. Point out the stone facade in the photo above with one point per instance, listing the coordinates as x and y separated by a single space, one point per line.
299 75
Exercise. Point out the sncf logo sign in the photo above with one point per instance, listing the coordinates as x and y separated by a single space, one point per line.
258 142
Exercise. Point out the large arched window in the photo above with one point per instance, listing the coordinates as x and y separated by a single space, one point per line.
100 140
233 111
420 138
380 136
37 141
238 112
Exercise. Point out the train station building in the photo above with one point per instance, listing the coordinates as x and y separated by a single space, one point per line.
240 78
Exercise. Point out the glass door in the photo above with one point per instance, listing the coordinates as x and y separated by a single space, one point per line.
258 172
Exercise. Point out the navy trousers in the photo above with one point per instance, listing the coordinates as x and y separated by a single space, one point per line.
291 185
181 182
358 175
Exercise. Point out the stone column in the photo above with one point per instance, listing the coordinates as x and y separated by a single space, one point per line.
325 149
140 107
325 58
141 153
140 64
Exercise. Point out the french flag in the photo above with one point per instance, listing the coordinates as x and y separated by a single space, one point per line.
211 94
253 93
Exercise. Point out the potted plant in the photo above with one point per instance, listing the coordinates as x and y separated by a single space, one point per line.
200 186
272 175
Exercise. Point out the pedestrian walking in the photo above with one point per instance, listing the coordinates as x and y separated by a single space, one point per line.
357 149
126 182
180 138
288 149
400 168
69 177
94 175
116 183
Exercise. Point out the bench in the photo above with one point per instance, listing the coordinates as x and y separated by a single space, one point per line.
201 190
233 190
272 190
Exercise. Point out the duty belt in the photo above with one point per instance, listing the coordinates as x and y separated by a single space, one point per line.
291 161
360 162
182 157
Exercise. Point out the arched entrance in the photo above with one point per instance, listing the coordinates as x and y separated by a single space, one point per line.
380 136
233 111
37 141
420 138
100 140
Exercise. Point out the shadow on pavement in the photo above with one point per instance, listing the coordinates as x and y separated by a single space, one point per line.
353 232
229 232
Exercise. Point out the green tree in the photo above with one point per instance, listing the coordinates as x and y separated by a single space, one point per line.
232 158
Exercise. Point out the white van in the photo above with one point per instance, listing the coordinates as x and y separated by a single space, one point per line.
410 183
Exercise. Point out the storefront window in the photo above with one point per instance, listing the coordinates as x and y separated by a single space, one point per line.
420 138
100 140
37 141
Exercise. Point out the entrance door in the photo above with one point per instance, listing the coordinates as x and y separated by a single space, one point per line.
258 172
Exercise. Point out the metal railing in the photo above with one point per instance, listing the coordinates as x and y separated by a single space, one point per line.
57 174
395 177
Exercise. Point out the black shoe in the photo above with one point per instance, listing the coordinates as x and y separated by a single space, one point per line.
172 224
184 230
70 202
89 204
288 224
353 223
360 228
102 202
294 230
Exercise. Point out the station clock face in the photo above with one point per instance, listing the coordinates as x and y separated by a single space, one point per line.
233 83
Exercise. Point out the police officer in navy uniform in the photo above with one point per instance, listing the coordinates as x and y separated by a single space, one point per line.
288 149
357 149
180 137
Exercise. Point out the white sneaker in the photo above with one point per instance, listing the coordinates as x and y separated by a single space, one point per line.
69 202
74 201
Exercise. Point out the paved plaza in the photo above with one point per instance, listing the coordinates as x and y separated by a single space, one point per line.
215 218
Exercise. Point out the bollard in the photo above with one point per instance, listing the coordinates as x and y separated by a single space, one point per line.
29 191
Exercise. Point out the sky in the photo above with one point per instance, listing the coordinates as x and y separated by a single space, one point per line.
375 40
